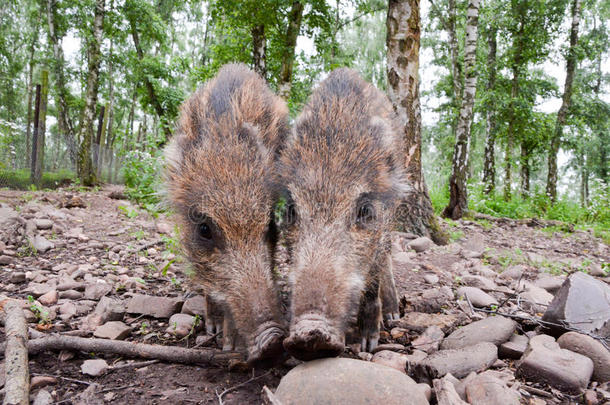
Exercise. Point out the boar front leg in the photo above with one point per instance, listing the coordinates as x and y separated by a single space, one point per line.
389 293
214 314
369 315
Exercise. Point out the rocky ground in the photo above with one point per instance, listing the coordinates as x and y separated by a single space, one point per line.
89 265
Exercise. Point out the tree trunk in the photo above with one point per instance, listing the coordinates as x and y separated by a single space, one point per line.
456 69
551 182
259 50
28 131
458 196
98 138
33 161
415 213
39 142
61 91
86 174
290 42
525 169
149 86
489 168
518 47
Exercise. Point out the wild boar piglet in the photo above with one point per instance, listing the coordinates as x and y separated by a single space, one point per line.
343 178
221 185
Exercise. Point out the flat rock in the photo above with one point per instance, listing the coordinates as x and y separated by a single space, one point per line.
477 297
347 381
5 260
392 359
459 362
43 397
420 321
43 223
95 291
402 257
49 298
446 393
183 324
158 307
514 348
71 294
493 329
194 306
513 272
17 277
431 278
113 330
110 309
41 244
94 367
478 281
487 389
588 315
38 289
535 299
550 283
430 340
545 362
420 244
593 349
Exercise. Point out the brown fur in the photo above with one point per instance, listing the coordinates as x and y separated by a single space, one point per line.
342 158
219 173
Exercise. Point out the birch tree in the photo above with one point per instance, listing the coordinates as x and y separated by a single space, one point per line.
489 164
415 214
458 198
86 174
551 184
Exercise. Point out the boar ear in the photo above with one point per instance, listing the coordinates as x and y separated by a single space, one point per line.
172 154
383 132
250 134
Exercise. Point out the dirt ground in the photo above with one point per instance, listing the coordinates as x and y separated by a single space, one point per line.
113 240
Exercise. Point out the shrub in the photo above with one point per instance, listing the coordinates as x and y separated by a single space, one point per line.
142 174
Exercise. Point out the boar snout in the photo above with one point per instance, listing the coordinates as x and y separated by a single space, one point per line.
312 336
267 349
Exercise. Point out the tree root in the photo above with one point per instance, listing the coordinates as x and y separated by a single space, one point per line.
170 354
17 384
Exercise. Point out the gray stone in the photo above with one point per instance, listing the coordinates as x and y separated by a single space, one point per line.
402 257
49 298
486 389
17 277
94 367
430 340
420 321
110 309
433 300
158 307
392 359
535 299
513 272
113 330
95 291
446 393
549 283
477 297
5 260
194 306
431 278
421 244
7 214
493 329
593 349
347 381
41 244
459 362
478 281
71 294
514 348
43 398
42 223
545 362
570 308
182 324
40 381
475 243
38 289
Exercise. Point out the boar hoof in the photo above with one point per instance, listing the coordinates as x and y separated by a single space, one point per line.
392 316
267 348
312 337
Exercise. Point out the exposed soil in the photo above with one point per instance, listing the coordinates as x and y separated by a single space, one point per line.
115 241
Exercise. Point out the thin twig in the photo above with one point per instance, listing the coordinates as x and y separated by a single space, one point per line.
136 364
233 388
208 340
112 389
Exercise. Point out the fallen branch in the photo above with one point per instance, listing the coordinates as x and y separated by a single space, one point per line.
17 383
233 388
170 354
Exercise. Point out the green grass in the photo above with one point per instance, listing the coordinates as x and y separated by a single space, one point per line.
20 179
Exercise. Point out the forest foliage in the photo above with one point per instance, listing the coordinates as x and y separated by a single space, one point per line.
119 69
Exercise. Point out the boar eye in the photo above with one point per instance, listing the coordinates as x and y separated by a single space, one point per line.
365 214
204 231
